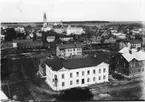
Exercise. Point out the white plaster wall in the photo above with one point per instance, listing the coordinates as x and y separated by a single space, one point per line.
50 75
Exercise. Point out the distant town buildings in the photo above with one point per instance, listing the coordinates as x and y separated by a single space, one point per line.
64 74
66 38
74 30
68 50
50 38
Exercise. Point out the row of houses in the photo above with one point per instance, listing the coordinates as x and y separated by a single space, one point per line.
65 30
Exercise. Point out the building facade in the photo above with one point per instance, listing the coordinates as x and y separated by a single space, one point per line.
130 64
72 73
67 50
135 43
50 38
74 30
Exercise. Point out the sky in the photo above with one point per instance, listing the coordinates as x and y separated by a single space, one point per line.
71 10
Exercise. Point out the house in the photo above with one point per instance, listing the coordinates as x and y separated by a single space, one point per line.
68 50
61 74
9 45
123 44
110 40
59 30
30 45
105 34
50 38
74 30
130 64
121 36
135 43
66 38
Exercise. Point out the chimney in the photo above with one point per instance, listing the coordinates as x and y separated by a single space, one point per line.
130 51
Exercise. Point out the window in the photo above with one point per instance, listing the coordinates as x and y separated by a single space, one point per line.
63 84
77 74
99 70
78 53
70 75
83 73
94 78
124 64
88 72
104 77
118 62
130 64
99 78
71 82
143 69
140 63
94 71
88 80
138 70
83 81
77 81
104 70
134 64
62 76
74 49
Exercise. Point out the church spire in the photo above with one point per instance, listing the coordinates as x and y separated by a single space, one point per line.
44 20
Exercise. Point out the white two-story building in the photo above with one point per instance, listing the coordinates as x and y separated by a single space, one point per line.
64 74
67 50
74 30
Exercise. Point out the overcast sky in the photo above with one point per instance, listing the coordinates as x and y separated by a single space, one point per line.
71 10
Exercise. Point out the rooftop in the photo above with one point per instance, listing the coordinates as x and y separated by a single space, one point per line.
66 46
74 63
140 56
135 41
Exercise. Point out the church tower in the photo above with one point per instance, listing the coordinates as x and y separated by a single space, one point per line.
44 20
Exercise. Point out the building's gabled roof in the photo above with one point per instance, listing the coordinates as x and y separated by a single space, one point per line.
75 63
128 56
140 56
66 46
127 49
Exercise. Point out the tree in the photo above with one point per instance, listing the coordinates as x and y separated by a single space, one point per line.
76 94
10 34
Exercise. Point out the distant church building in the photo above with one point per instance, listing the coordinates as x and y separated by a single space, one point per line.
45 27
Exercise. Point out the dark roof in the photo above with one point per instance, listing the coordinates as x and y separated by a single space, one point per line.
22 40
64 46
135 41
74 63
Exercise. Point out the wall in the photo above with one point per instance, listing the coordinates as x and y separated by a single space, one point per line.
50 75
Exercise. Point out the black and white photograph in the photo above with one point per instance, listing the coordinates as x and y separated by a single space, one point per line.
72 50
